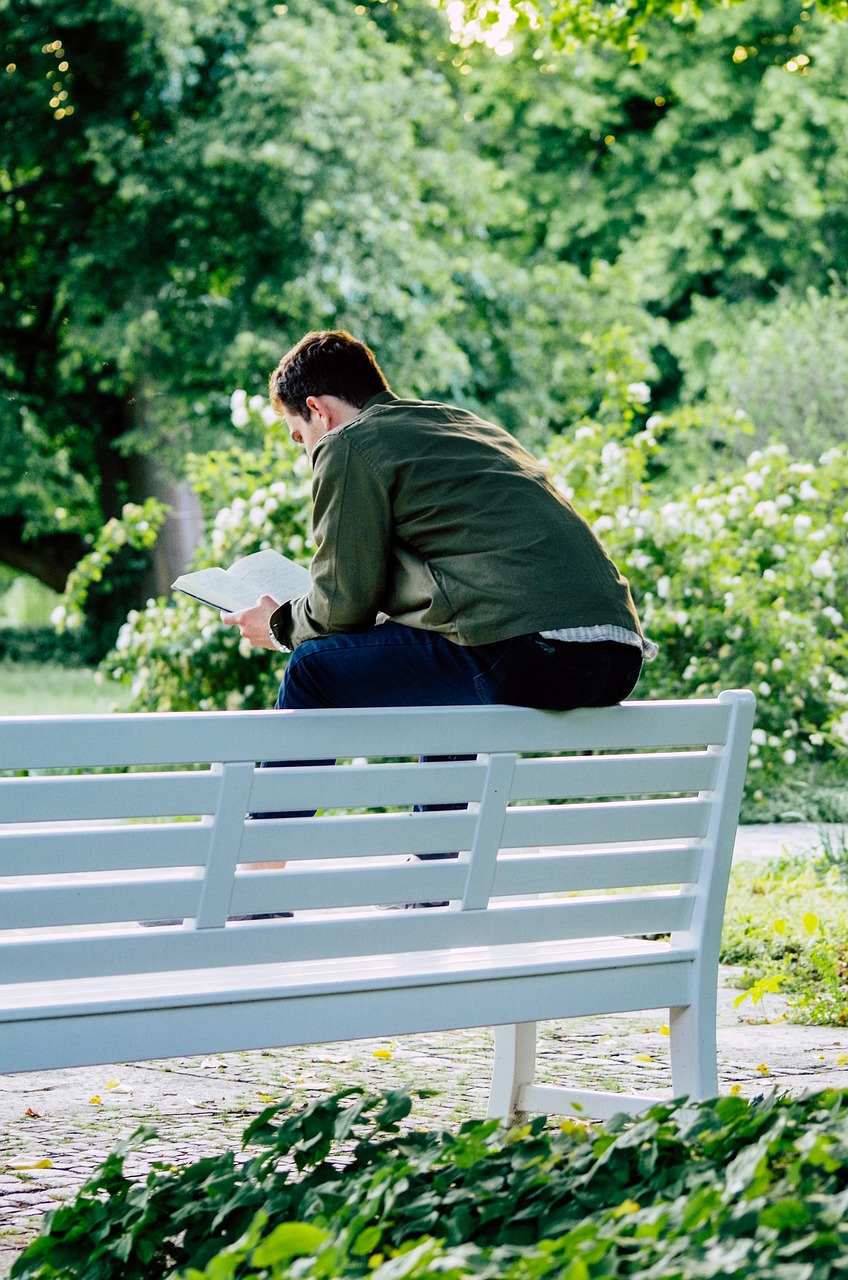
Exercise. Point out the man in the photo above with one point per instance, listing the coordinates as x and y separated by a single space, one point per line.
448 569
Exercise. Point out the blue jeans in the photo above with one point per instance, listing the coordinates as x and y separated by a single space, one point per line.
392 665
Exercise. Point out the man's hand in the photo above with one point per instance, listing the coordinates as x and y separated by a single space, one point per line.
255 623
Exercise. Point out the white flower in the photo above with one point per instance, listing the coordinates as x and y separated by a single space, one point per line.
789 756
759 737
764 688
801 523
840 727
584 433
239 418
807 492
822 568
639 391
766 511
664 586
269 416
256 403
58 615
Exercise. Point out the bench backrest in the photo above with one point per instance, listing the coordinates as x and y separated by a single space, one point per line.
152 823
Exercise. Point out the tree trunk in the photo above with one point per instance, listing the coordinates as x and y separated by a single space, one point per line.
49 558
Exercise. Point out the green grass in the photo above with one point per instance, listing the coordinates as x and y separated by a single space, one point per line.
36 689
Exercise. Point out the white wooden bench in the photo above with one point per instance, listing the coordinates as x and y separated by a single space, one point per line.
562 809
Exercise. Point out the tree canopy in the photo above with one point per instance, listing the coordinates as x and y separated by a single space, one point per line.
570 24
186 187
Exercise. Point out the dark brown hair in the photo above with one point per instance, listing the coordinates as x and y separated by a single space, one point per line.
326 363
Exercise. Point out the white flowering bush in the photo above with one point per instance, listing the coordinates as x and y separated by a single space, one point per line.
742 581
177 654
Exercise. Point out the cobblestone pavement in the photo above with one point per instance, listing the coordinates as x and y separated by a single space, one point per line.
59 1125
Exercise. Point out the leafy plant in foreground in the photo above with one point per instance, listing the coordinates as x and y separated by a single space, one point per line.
720 1188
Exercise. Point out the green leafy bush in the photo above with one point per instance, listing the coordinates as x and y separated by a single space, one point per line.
739 579
176 654
787 923
723 1188
41 644
785 364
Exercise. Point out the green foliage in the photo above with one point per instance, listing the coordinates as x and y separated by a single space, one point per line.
800 945
568 24
176 654
725 1188
35 645
136 529
251 173
785 365
100 588
739 579
715 169
808 791
27 603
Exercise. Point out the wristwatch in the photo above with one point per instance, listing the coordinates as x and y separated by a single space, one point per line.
278 644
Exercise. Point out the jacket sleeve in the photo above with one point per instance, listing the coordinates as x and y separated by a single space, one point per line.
352 527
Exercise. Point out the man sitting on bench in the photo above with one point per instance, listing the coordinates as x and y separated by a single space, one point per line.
448 569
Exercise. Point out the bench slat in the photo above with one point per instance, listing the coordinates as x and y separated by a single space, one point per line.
366 786
103 848
574 777
370 973
357 836
612 823
337 935
601 869
278 1018
132 795
158 738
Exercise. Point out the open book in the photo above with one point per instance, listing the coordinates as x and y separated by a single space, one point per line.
265 573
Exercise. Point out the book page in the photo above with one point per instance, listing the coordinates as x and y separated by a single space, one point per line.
267 573
240 586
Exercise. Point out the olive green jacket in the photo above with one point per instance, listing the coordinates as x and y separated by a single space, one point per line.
426 513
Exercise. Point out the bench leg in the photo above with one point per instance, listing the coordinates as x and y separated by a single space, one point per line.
515 1065
693 1049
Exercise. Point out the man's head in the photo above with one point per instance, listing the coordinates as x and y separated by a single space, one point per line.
325 363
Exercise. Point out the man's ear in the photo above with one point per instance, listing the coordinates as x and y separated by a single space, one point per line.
313 404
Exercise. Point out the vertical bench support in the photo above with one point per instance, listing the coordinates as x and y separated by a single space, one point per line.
693 1027
514 1067
225 842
